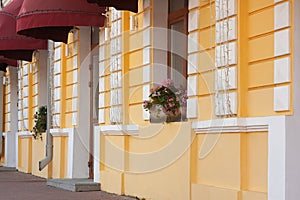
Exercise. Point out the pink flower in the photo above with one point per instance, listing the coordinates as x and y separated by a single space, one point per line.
154 89
167 83
171 105
177 99
171 99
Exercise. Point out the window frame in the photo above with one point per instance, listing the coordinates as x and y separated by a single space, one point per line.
173 17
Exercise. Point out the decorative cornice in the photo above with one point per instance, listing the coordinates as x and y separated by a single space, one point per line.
120 129
25 134
61 132
230 125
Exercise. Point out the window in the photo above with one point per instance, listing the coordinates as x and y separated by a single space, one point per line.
177 57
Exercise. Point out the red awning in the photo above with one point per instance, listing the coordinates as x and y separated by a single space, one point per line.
131 5
10 62
53 19
13 45
4 62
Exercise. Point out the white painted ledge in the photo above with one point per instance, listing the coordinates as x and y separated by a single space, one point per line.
61 132
120 129
25 134
230 125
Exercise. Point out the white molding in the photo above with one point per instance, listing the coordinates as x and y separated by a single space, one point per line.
282 42
146 92
147 37
221 8
228 125
146 3
192 86
192 108
282 15
147 18
57 67
282 70
193 4
102 100
75 62
193 42
75 76
97 152
193 62
57 93
57 80
276 127
57 53
221 55
101 68
102 52
60 132
146 56
282 98
120 129
193 20
225 33
115 113
221 106
101 116
146 74
25 80
25 134
101 84
221 78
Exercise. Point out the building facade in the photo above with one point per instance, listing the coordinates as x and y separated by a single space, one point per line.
238 140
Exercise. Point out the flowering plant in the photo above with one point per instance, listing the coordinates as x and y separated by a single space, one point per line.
40 122
168 99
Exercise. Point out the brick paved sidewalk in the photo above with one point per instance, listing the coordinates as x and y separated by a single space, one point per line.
19 186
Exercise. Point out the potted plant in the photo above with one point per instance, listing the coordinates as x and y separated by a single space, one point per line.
40 122
167 103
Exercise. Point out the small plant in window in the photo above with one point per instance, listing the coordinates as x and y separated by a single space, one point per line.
40 120
167 103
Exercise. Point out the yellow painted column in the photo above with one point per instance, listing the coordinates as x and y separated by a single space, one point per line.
243 42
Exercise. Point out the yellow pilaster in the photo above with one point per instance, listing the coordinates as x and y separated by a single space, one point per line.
242 57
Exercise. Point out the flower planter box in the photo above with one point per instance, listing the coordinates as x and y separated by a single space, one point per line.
158 115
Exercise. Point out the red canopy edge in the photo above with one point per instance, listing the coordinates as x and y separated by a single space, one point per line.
13 45
131 5
53 19
4 62
10 62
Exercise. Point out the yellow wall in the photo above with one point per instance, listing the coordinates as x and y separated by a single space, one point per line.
38 153
148 168
237 165
261 58
32 151
60 155
25 154
2 158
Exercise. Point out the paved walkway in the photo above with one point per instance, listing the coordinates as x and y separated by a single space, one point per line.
15 186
